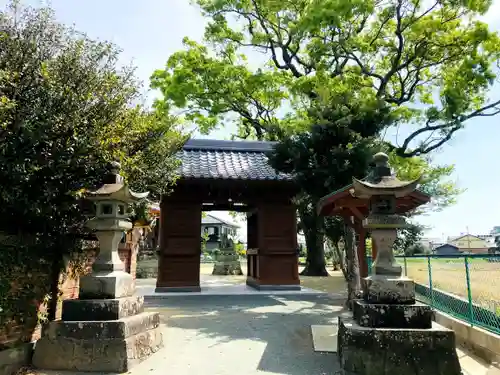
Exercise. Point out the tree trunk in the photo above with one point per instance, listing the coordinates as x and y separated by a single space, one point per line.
315 258
353 275
342 260
54 287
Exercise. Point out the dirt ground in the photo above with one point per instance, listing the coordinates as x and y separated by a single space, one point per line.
450 276
333 284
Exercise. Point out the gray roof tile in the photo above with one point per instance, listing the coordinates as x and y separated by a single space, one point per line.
228 160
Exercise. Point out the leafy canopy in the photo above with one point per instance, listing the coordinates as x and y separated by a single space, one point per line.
430 63
66 110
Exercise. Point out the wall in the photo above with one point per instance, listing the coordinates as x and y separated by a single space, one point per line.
12 334
472 242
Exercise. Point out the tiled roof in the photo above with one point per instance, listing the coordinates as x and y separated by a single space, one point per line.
227 160
211 219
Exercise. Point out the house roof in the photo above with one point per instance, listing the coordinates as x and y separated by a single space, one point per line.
210 219
447 245
212 159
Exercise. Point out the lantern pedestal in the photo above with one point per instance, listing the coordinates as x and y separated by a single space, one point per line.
388 331
402 351
106 329
388 289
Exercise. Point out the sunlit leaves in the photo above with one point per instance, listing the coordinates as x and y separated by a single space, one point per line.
412 54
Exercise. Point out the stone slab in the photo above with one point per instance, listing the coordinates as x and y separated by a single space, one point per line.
417 315
100 356
270 287
103 330
375 351
388 290
102 309
11 360
324 338
107 285
178 289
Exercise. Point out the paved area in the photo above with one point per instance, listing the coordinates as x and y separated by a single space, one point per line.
221 332
244 335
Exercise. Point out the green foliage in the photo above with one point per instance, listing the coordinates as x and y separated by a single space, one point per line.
416 249
435 180
66 111
431 63
240 249
204 238
408 238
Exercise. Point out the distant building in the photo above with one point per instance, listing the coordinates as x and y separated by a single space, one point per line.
219 232
470 244
447 249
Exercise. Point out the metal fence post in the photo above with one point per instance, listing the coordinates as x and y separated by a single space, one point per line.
429 269
469 292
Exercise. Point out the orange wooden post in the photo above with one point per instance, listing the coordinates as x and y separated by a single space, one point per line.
363 264
374 251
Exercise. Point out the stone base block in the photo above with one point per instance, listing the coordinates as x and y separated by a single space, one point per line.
375 351
253 283
417 315
178 289
388 290
107 285
227 268
93 346
102 309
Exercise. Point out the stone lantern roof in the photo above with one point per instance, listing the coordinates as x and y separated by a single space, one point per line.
114 188
382 181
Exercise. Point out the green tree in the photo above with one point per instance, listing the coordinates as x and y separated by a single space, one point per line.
425 67
432 63
66 111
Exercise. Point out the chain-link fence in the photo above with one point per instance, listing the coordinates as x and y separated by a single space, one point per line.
464 286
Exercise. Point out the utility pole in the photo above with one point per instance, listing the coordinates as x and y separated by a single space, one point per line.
468 240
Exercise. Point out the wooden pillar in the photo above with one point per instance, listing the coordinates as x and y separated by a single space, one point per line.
374 251
276 256
180 247
361 249
252 244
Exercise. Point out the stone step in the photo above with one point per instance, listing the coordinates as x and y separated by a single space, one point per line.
416 315
115 355
104 329
102 309
375 351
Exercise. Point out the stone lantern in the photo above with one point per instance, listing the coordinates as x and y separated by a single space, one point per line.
108 278
389 332
106 329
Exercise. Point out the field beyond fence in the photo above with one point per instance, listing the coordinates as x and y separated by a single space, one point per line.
465 286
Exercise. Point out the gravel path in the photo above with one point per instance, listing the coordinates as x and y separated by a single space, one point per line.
244 335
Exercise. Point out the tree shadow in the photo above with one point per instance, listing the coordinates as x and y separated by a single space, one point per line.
282 322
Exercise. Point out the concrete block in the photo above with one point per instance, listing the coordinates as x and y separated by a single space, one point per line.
115 351
388 290
417 315
107 285
102 309
375 351
13 359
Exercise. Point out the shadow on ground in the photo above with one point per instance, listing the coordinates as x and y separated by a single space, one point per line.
274 328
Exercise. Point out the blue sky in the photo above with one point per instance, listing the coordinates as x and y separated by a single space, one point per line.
149 31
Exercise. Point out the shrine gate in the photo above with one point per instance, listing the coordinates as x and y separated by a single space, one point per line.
229 176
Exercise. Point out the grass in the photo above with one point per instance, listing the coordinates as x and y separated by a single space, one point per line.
449 275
